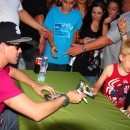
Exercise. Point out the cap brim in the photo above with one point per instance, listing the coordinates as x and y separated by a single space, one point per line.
23 39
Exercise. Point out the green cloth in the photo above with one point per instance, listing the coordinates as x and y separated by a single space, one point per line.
98 114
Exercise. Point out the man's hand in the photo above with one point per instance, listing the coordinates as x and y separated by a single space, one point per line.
75 49
75 97
38 88
122 25
44 32
122 28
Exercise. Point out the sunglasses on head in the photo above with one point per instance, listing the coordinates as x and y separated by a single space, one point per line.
11 44
99 3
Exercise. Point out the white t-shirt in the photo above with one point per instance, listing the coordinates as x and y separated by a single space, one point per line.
9 10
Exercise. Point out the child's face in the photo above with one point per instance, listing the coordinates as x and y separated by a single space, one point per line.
67 5
125 62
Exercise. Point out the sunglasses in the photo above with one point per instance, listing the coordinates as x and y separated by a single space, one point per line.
99 3
16 45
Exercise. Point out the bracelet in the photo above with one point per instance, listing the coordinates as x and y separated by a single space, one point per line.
122 34
43 37
66 101
84 48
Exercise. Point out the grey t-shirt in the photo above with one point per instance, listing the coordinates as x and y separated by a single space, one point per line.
111 52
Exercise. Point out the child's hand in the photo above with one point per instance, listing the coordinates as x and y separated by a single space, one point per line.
95 91
107 20
122 25
127 112
53 49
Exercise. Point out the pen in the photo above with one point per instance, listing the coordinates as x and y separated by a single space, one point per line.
85 100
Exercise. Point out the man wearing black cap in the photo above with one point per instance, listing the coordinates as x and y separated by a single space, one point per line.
13 11
10 94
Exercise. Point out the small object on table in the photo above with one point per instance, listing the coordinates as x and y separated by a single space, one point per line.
85 100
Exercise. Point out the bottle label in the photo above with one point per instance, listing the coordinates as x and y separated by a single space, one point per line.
38 61
43 70
72 59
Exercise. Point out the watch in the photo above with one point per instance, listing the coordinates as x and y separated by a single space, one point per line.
66 101
84 48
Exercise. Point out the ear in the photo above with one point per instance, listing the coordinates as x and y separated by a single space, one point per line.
121 57
2 47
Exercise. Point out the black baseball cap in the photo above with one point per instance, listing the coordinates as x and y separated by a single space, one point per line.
10 32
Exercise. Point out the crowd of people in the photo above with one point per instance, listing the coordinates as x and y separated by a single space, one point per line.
95 32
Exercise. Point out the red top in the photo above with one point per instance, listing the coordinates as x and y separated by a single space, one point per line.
116 87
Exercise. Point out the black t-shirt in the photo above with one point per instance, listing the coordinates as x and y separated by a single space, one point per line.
34 8
88 63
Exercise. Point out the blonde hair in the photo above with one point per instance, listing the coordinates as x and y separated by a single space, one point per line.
125 47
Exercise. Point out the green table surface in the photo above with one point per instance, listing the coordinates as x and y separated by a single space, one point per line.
98 114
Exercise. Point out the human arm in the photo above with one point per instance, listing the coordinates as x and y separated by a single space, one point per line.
122 28
22 77
75 36
38 111
26 18
106 25
84 41
105 74
40 19
53 46
100 42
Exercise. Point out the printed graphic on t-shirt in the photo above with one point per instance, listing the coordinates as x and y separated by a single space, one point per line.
116 91
62 29
94 60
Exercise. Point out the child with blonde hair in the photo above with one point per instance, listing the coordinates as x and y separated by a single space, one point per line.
116 77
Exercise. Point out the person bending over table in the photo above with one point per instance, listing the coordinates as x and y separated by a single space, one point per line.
11 95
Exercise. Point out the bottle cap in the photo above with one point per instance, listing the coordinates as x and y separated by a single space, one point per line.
40 51
45 57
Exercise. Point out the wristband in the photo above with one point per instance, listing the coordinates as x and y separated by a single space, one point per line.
42 37
66 101
84 48
122 34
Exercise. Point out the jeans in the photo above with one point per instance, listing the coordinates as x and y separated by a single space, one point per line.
92 79
9 120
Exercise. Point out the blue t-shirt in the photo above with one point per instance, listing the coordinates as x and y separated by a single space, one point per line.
63 27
